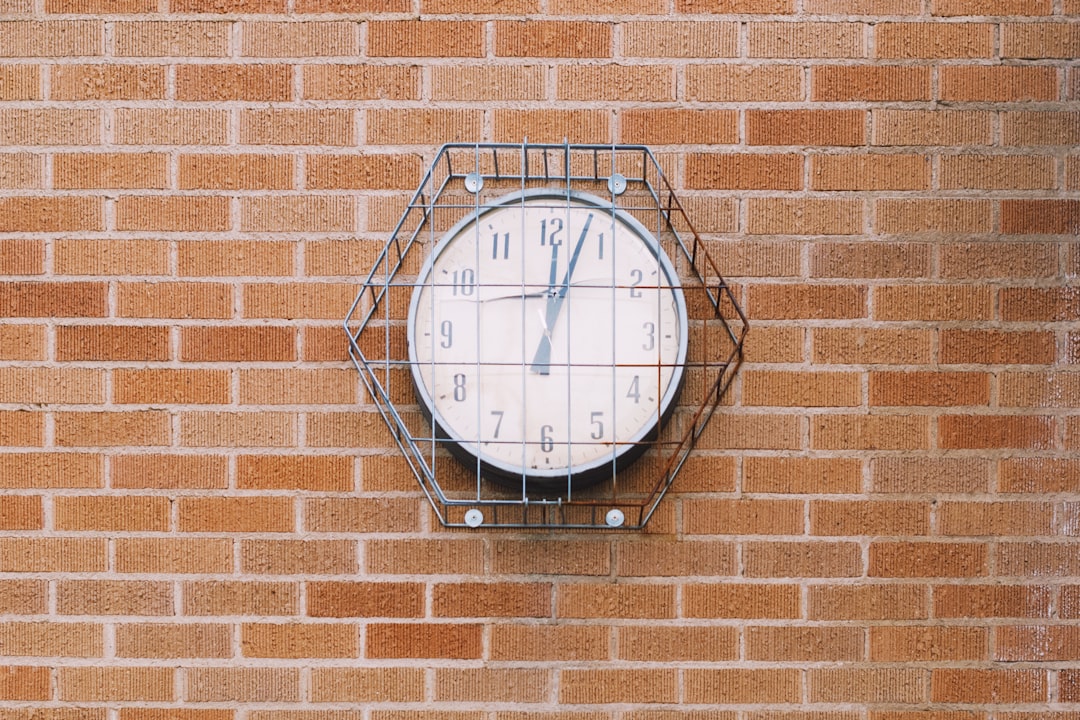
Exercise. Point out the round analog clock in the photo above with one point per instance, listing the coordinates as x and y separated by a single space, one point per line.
547 338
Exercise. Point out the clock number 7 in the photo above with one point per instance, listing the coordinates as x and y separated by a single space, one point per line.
498 414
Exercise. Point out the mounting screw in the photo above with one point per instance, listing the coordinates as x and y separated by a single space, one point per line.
615 518
616 184
474 518
473 182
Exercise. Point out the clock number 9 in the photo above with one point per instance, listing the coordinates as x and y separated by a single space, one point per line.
446 330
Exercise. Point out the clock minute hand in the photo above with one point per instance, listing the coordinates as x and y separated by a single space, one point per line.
541 362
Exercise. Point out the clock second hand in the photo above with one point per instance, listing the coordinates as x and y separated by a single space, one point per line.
541 362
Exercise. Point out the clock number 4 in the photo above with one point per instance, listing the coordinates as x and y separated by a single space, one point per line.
634 393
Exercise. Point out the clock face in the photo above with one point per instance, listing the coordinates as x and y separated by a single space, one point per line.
547 338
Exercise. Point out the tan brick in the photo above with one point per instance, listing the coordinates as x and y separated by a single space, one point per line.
124 684
997 172
173 640
289 126
648 83
115 514
933 40
427 38
684 39
236 514
674 644
744 171
861 517
240 597
424 640
995 518
805 127
1040 40
998 83
870 260
183 126
373 82
149 38
410 126
970 685
301 213
242 684
22 257
870 172
548 642
814 644
169 471
111 257
577 7
220 258
604 685
80 429
867 685
299 39
552 38
22 342
686 558
868 601
424 557
107 82
237 429
454 7
20 82
382 171
896 216
799 475
806 40
929 388
174 555
297 387
22 512
49 215
114 597
52 38
931 127
266 83
813 559
51 470
21 171
555 557
986 260
296 557
991 7
1039 304
378 514
1040 128
299 640
744 83
379 684
25 682
173 214
1043 475
864 7
1039 389
50 126
496 599
495 685
869 432
99 6
932 302
772 7
351 6
804 216
930 475
786 388
696 127
874 83
991 601
588 600
52 385
742 685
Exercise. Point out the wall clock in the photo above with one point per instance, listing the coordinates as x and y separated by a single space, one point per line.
547 338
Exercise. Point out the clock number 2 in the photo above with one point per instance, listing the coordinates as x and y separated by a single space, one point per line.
637 276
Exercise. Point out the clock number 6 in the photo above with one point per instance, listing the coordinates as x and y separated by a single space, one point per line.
547 443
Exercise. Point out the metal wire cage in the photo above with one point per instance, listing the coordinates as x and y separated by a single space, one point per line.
464 184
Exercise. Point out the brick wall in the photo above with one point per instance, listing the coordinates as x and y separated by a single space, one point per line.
197 521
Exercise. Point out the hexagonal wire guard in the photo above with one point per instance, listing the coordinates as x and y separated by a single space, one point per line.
463 179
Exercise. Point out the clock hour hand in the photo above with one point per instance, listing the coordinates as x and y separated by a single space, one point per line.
541 362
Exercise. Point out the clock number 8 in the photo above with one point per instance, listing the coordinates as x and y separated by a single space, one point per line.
459 387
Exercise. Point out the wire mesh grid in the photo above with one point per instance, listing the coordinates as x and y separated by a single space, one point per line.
545 335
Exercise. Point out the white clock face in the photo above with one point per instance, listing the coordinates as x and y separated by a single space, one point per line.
547 338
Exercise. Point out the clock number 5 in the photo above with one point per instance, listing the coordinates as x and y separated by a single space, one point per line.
597 420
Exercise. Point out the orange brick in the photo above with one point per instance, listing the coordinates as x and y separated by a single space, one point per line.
873 83
864 7
997 518
111 257
237 597
556 557
184 126
302 213
22 257
149 38
51 214
805 127
545 642
361 515
289 126
861 517
298 300
110 170
267 83
685 558
112 342
117 514
425 38
107 82
220 258
365 599
174 555
765 258
51 470
1040 304
297 640
146 427
297 387
744 83
683 39
931 127
813 644
744 171
52 385
991 7
586 600
368 82
378 684
869 432
19 428
20 82
303 39
806 559
454 7
1040 40
760 600
930 475
806 40
368 171
227 6
674 644
998 83
804 216
1036 559
66 639
508 685
1042 475
424 640
552 38
927 559
586 126
807 301
22 512
986 260
22 342
349 429
932 302
352 6
237 344
25 682
1027 128
242 684
817 389
100 6
997 172
236 514
424 557
1039 389
869 260
296 472
169 471
496 599
933 40
742 686
991 601
114 597
113 684
869 172
21 171
173 214
52 38
410 126
867 685
868 601
929 388
676 125
970 685
1037 643
801 475
1049 217
773 7
1031 432
648 83
604 685
173 640
174 300
49 126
